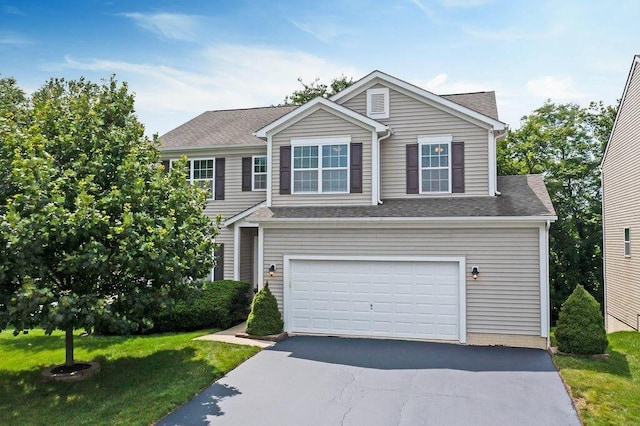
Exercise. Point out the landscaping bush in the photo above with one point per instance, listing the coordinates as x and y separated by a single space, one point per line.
580 327
265 317
220 304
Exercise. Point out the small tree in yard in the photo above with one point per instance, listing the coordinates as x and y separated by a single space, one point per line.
580 328
265 317
91 227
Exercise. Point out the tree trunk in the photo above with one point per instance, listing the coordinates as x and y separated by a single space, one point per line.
69 361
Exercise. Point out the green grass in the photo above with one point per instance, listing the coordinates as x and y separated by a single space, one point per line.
143 378
606 392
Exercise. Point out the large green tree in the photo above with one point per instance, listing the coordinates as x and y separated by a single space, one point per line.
565 142
314 89
92 228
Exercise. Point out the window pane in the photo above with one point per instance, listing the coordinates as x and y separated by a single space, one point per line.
305 157
334 156
334 181
627 234
260 164
203 169
207 185
444 161
305 181
435 180
260 181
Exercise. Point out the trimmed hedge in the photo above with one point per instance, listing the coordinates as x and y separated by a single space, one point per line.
265 317
220 304
580 327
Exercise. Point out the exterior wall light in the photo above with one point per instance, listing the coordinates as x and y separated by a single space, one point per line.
475 272
272 269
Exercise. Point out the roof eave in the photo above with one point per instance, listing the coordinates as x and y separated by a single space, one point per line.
537 219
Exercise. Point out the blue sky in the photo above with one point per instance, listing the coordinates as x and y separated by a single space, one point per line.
182 58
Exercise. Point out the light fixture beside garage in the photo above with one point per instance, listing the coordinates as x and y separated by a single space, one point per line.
272 269
475 272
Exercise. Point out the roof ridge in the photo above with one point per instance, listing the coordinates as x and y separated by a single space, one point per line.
251 108
469 93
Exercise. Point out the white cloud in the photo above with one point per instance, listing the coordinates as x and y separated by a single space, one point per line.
12 10
513 33
227 76
168 25
325 30
8 37
431 14
441 85
553 87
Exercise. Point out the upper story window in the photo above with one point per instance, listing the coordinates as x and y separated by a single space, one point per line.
435 164
627 242
378 103
201 172
321 166
259 173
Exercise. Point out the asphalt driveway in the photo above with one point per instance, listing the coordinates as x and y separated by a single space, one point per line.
333 381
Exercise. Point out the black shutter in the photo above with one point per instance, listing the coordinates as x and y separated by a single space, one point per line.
219 181
413 185
457 167
218 271
247 164
356 168
285 169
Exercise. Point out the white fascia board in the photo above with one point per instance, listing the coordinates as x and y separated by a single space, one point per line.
269 170
355 88
262 133
634 64
236 253
242 215
491 140
543 259
349 222
375 169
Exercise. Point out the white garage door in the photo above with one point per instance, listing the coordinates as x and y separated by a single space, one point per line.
405 299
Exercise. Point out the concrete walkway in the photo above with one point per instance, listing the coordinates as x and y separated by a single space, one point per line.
229 336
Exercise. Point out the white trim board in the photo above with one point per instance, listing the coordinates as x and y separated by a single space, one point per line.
462 280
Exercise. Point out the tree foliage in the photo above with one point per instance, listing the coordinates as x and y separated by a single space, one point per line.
265 317
565 143
315 88
90 224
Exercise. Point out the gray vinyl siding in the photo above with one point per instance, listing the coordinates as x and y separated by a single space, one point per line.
504 299
235 200
247 254
621 199
410 118
319 124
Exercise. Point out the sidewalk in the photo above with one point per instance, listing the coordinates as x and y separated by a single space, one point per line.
229 336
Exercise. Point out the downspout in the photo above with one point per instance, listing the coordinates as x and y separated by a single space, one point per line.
604 254
497 138
389 133
547 226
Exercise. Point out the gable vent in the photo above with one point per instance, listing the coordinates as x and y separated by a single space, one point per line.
378 103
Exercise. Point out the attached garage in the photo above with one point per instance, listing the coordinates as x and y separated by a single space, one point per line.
396 297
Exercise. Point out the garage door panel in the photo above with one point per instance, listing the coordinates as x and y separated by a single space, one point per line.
383 298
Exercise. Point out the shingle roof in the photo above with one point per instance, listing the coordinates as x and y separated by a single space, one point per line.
223 127
523 196
482 102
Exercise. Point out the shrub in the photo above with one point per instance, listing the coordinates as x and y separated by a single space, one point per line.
265 317
580 327
220 304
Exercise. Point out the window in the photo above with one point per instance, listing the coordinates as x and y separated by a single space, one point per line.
200 172
322 167
435 164
627 242
259 173
378 103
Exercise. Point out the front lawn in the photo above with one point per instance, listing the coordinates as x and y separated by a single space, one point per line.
143 378
606 392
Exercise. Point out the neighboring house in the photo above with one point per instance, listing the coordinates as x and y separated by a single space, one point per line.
378 212
621 211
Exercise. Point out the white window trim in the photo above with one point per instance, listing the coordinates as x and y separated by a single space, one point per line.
430 140
627 243
320 142
190 160
384 91
253 172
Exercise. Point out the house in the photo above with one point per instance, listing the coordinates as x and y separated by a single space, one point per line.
378 212
620 208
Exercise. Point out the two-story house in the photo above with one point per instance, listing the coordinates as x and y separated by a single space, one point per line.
378 212
620 208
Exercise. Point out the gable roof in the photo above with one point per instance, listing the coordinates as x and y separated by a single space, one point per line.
634 64
522 197
322 102
482 102
223 128
442 100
